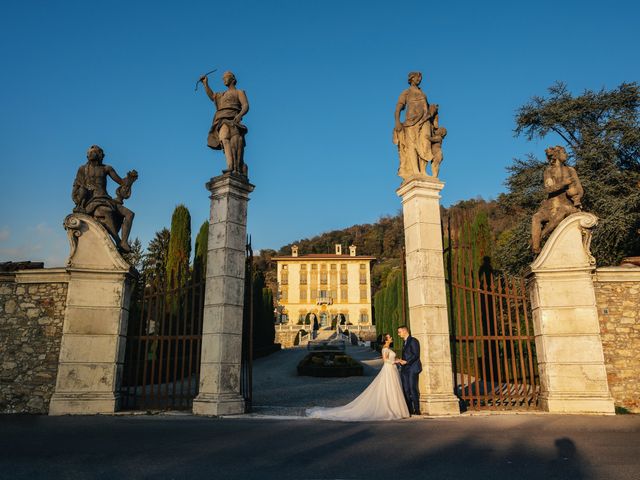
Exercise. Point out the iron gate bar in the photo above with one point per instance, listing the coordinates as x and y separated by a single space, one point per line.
161 348
499 375
495 297
484 297
530 354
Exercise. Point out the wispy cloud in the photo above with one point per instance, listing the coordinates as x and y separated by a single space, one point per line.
38 243
42 229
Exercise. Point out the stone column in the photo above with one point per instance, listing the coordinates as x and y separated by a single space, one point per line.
95 323
428 317
224 298
573 378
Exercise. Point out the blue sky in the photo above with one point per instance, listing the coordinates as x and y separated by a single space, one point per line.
322 79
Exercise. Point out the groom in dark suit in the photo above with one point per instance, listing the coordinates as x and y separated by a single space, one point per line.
410 368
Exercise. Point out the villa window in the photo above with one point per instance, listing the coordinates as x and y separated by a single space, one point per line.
303 294
363 294
344 295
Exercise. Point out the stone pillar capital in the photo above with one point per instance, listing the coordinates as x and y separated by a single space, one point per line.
569 246
423 185
91 246
230 183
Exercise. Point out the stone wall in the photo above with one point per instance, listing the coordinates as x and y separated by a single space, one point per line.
286 337
618 298
32 309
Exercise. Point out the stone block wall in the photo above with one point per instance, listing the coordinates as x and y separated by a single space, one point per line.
618 297
287 337
32 309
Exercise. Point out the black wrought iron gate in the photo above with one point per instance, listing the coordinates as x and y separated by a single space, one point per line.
246 366
162 356
492 340
164 336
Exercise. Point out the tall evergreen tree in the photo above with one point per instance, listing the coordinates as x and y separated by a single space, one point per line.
200 254
396 318
179 245
135 258
154 263
267 315
136 255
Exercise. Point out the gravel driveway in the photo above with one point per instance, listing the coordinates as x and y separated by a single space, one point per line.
278 390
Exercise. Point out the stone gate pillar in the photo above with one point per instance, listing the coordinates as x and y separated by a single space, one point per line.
219 392
95 322
427 293
573 378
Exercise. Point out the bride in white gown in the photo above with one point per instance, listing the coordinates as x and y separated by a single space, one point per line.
381 400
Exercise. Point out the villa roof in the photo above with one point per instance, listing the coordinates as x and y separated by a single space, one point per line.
323 256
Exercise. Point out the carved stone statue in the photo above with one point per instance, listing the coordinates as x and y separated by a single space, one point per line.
436 148
91 197
227 132
419 137
564 196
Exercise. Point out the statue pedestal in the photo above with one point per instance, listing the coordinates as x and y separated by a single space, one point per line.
94 329
219 392
573 378
429 322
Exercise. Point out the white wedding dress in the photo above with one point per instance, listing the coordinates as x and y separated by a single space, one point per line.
381 400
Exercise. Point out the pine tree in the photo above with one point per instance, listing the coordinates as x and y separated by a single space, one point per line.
179 246
154 263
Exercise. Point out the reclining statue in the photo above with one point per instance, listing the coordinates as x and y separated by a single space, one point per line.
91 197
564 196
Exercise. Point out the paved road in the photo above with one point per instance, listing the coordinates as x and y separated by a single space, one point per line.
518 447
522 447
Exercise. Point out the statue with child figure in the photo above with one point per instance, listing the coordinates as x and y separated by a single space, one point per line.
419 137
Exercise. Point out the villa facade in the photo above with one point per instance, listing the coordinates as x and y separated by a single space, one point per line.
334 287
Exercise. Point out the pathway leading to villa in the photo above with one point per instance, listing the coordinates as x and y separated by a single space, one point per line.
278 390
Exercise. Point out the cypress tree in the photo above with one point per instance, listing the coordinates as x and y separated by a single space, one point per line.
377 311
391 305
179 245
267 316
200 254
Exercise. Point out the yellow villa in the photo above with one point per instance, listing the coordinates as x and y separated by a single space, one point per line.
335 288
